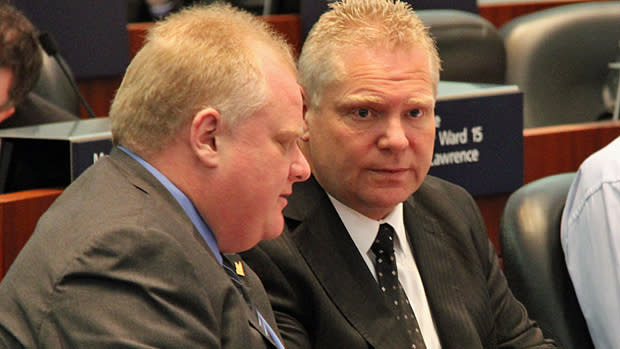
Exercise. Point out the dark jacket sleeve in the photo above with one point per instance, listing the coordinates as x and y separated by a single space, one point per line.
514 329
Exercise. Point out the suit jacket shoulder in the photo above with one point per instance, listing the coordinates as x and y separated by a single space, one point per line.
115 260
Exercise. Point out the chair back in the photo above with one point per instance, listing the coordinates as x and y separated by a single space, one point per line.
275 7
469 46
462 5
54 87
559 58
534 261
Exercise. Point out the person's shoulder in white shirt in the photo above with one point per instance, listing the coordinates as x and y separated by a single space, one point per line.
590 236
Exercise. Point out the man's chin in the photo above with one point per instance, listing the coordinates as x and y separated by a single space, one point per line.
274 230
388 198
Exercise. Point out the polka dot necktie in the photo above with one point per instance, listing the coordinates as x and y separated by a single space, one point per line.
387 277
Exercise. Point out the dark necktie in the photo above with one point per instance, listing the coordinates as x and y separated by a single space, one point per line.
232 273
387 277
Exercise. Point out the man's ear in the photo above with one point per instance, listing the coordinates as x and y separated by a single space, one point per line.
204 133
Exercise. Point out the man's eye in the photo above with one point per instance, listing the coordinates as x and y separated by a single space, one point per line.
289 144
362 113
415 113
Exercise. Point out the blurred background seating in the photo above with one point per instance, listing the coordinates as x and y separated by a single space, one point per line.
142 11
534 261
559 58
470 46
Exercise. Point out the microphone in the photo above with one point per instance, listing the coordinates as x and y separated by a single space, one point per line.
51 49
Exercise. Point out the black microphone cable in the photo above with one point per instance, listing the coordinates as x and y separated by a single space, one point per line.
49 46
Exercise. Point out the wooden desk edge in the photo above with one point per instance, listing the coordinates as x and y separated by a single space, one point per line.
570 128
19 213
28 195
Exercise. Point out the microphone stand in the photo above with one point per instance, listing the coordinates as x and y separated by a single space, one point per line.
51 49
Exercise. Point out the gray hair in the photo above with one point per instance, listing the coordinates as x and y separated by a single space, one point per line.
359 23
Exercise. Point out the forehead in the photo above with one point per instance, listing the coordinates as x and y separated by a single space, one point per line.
283 91
363 69
282 110
390 60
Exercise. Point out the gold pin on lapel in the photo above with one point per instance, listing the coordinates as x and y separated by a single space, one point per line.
239 268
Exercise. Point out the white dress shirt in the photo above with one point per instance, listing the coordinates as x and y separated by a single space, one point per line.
363 231
590 238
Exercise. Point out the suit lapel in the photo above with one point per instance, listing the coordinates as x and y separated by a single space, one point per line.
334 259
238 275
436 256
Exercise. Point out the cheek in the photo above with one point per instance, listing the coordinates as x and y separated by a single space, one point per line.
339 159
270 177
424 142
337 141
267 164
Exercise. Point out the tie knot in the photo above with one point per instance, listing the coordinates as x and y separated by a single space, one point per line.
384 242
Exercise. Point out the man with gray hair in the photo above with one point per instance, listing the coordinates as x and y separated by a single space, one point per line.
376 253
140 250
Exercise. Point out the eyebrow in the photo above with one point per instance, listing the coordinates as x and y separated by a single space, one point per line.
426 101
363 99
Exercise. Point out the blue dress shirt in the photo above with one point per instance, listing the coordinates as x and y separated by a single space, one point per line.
185 203
198 222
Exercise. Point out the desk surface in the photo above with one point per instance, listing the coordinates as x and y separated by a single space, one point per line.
77 131
447 90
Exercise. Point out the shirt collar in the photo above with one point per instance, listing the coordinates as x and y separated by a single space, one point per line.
363 230
184 201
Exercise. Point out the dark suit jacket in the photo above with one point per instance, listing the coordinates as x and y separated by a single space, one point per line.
324 296
115 262
35 110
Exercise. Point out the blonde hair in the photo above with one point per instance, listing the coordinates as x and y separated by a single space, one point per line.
202 56
387 24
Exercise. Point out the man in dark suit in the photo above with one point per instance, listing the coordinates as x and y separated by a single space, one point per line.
376 253
139 251
20 67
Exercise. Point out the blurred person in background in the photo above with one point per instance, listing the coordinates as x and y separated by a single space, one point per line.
20 67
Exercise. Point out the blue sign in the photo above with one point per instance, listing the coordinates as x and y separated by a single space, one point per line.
479 140
84 154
